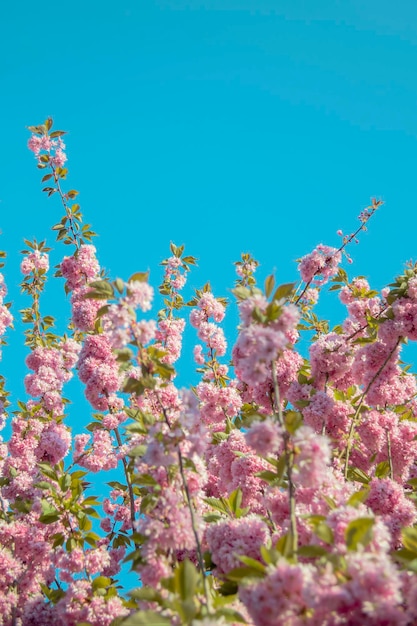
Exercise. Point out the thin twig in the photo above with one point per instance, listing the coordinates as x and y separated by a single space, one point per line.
289 461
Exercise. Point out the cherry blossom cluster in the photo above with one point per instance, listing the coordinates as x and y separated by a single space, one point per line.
320 265
53 148
34 261
98 369
119 319
52 369
79 270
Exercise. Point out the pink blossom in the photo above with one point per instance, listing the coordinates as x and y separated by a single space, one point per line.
331 358
145 331
282 596
321 264
35 144
80 268
217 403
254 351
101 455
84 310
247 307
265 437
59 158
213 336
198 354
169 333
227 540
211 307
387 498
312 457
34 261
139 294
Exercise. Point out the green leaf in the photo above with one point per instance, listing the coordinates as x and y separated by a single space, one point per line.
186 579
231 615
47 470
101 582
216 504
119 284
269 555
324 532
358 475
293 420
102 286
409 537
146 618
57 133
269 285
359 532
284 545
239 573
283 291
358 497
330 502
268 476
312 551
43 484
141 277
241 293
235 500
250 562
382 470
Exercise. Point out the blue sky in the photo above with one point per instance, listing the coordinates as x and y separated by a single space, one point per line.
224 125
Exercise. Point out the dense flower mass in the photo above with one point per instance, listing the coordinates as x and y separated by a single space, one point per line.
320 265
277 490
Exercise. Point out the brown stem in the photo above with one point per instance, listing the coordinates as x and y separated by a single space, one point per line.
391 467
191 510
66 207
289 462
128 481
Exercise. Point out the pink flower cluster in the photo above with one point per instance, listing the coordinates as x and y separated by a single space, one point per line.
258 345
265 437
375 367
331 358
320 265
54 147
119 321
217 403
227 540
374 430
173 275
98 369
169 336
211 334
312 457
116 512
51 370
100 456
79 270
232 465
34 261
282 596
